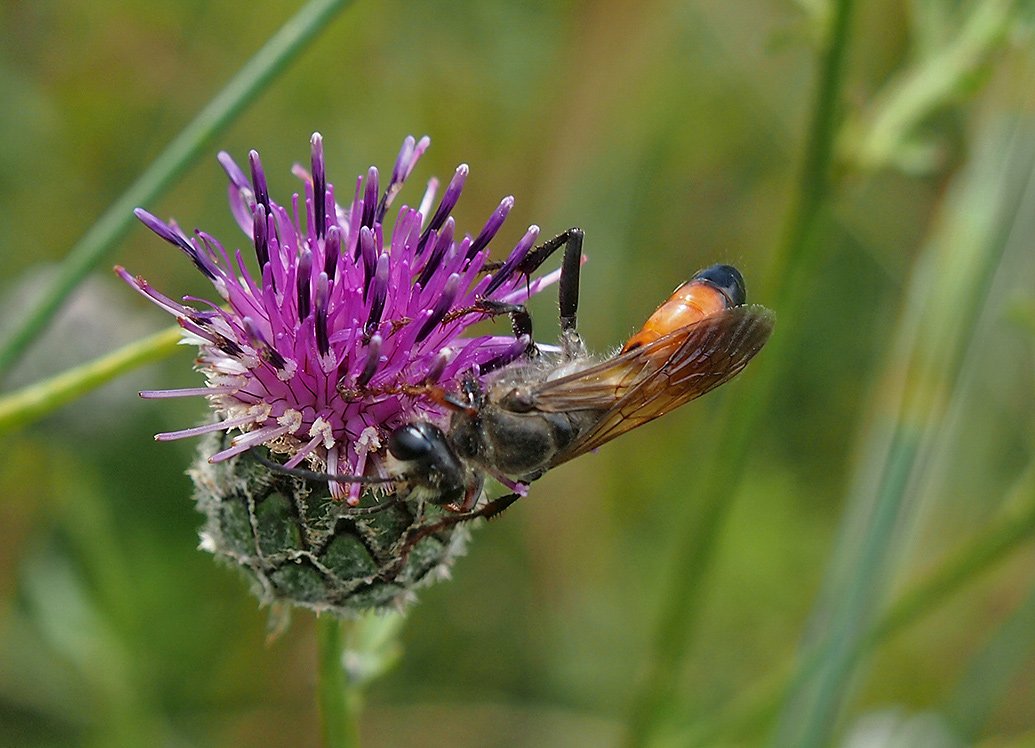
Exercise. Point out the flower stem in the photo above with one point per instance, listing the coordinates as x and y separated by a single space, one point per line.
339 700
815 180
353 654
37 400
274 57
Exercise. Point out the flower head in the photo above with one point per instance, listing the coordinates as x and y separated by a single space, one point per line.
355 313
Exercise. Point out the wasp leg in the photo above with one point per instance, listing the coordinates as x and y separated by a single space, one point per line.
520 320
490 510
571 266
568 293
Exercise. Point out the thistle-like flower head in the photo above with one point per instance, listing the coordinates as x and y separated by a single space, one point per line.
355 313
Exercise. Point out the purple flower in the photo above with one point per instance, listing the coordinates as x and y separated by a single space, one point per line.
356 318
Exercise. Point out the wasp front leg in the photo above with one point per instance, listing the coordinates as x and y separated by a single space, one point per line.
520 320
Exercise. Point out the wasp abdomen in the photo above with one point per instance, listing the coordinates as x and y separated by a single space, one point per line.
711 290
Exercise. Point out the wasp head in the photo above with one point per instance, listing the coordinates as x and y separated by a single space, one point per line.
429 462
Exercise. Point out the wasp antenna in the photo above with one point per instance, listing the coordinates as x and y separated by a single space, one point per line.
366 511
314 475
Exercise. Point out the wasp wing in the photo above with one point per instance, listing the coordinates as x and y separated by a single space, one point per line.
642 384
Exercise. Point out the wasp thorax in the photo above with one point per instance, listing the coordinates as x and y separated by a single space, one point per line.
299 546
518 400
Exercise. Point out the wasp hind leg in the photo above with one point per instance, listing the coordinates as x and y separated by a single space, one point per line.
568 293
488 511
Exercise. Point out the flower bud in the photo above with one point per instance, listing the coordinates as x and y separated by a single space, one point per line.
297 545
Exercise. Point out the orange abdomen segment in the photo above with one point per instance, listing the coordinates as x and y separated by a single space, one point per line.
689 303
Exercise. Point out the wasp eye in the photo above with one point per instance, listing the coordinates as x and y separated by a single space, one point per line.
727 279
414 441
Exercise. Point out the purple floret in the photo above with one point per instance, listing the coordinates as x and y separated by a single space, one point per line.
345 331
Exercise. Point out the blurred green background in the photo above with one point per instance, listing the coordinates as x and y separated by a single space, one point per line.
724 576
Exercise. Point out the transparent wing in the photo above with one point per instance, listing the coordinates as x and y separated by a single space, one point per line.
647 382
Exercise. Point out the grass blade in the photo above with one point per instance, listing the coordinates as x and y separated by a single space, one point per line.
947 292
30 403
274 57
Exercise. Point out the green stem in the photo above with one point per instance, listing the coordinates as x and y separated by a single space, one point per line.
37 400
816 177
797 254
823 673
282 48
339 700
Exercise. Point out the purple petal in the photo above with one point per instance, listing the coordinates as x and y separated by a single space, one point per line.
262 193
319 186
492 226
520 252
305 271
